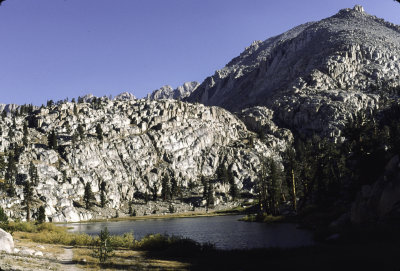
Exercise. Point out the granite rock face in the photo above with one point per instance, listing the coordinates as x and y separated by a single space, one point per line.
143 140
167 92
6 242
313 76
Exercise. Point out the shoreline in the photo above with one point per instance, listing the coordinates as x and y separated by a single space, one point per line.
189 214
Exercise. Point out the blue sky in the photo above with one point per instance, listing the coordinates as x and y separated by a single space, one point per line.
54 49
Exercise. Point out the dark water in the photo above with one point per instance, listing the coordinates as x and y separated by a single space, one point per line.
226 232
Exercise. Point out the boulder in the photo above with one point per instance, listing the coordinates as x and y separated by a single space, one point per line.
6 242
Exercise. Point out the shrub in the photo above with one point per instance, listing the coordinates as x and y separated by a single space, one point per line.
3 218
172 245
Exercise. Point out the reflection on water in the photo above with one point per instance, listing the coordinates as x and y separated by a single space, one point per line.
226 232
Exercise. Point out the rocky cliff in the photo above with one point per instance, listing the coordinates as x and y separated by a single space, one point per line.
167 92
142 141
313 77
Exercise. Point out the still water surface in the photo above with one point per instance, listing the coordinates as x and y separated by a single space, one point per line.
226 232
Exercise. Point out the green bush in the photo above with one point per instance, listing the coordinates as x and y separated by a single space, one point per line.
126 240
172 245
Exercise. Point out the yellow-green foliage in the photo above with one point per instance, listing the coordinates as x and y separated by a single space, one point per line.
126 240
263 218
21 226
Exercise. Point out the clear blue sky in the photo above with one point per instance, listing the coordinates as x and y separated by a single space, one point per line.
53 49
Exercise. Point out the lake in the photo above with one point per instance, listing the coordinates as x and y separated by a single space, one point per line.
226 232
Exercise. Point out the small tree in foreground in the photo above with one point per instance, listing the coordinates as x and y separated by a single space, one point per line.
103 248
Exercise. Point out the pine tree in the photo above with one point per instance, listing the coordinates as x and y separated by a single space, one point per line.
166 188
10 175
103 194
25 135
291 168
154 191
262 187
52 140
274 187
99 132
174 187
41 218
28 198
3 217
33 174
81 131
88 196
2 166
104 246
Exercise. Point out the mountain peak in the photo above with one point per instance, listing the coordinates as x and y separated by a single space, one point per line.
359 8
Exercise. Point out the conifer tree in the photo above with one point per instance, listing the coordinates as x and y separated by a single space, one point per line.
166 188
25 135
41 218
28 198
52 140
33 174
88 196
103 194
99 132
81 131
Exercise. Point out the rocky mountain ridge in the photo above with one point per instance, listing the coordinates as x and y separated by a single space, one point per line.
142 141
167 92
313 77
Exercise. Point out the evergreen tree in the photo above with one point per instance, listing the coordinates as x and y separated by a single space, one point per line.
174 187
81 131
99 132
28 198
2 166
3 218
166 188
33 174
208 192
222 174
274 188
52 140
25 135
233 189
88 196
10 175
261 188
154 190
291 169
102 194
104 247
41 218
